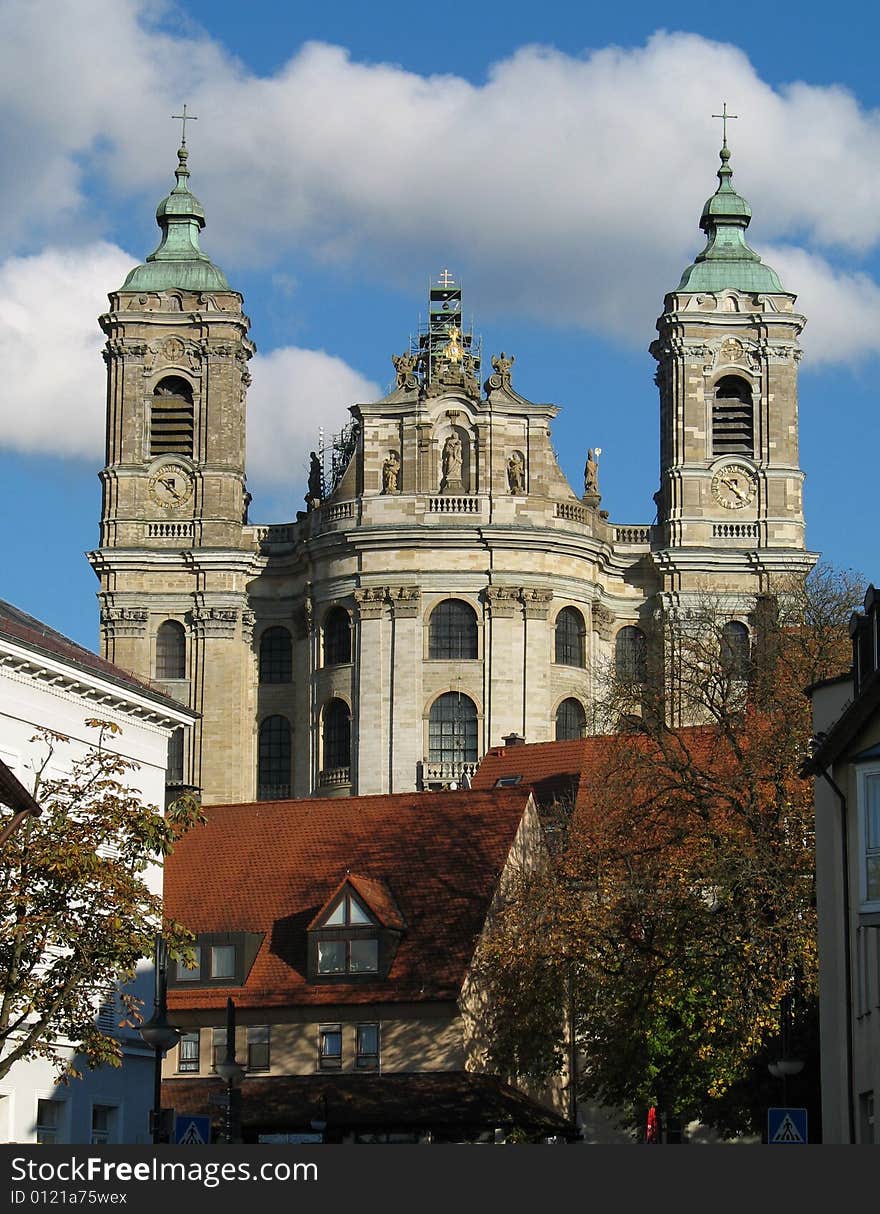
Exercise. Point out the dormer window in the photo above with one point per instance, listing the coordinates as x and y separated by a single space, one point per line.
349 936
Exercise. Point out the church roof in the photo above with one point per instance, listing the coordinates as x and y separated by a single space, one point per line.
431 861
727 261
178 262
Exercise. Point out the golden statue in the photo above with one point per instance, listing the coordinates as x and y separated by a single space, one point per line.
453 351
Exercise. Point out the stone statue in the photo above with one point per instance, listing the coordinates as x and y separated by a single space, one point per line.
316 478
390 472
405 366
452 460
591 474
516 473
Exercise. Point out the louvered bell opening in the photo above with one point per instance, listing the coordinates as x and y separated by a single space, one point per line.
732 418
172 419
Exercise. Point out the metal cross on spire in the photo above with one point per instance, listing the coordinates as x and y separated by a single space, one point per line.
184 119
723 116
446 279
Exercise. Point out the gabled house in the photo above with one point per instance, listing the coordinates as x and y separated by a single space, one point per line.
345 933
846 764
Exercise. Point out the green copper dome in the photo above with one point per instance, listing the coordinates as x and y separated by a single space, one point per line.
178 261
727 261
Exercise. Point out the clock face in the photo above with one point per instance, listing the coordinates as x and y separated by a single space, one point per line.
171 485
734 486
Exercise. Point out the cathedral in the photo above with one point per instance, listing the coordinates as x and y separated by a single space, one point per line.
445 588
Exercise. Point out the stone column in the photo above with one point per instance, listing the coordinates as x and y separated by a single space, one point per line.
504 661
536 726
304 709
370 693
405 698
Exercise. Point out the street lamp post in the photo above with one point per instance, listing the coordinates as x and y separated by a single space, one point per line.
158 1033
232 1073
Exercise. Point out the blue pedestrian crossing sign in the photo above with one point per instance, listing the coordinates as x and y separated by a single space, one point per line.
192 1130
787 1127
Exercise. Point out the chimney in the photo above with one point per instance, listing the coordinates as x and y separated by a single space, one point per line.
513 739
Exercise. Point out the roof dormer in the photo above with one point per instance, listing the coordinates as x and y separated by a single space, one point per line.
355 933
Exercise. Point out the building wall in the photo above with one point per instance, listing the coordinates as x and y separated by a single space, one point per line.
35 694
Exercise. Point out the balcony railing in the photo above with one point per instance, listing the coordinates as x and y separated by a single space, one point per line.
273 792
445 773
332 777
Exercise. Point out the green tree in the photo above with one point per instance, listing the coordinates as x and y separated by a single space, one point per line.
76 914
678 914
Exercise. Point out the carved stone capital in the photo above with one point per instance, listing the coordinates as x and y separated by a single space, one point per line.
536 602
503 601
248 622
406 601
370 602
124 621
603 621
214 622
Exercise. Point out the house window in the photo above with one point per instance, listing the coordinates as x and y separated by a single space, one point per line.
258 1047
103 1123
187 973
870 831
735 650
367 1047
452 729
452 631
223 961
174 773
273 761
171 418
337 637
330 1047
337 735
732 417
218 1046
631 655
48 1121
343 953
276 656
171 651
571 720
188 1051
570 633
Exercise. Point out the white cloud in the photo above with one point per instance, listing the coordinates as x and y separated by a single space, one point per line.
564 188
54 399
294 392
50 343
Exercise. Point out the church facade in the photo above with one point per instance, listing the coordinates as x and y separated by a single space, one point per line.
445 587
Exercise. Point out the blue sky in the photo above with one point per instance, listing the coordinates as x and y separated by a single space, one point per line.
555 157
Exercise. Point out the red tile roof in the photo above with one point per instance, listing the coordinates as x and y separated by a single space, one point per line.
269 867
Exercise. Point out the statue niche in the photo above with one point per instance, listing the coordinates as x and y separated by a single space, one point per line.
454 461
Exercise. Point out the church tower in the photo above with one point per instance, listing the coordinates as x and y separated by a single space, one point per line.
730 507
174 496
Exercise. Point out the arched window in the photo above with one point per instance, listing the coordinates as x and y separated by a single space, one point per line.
571 720
337 735
337 637
452 632
570 638
631 655
736 650
276 658
171 651
733 417
273 760
171 418
452 729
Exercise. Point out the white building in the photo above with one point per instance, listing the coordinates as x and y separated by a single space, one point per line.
48 681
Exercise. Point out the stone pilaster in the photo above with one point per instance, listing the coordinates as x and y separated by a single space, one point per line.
504 711
370 716
535 662
405 702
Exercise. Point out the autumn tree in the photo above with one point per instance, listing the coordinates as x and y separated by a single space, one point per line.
76 912
678 916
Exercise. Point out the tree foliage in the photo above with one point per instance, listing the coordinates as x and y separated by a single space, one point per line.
679 912
76 913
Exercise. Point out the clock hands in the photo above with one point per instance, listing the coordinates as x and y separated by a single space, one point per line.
731 484
168 482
